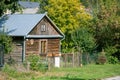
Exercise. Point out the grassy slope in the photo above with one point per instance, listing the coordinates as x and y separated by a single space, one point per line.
86 72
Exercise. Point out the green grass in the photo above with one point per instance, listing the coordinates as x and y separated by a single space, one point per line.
88 72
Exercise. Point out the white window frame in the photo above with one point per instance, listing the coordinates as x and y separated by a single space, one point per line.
43 28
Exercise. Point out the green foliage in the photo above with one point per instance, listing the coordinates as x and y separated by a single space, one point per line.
68 15
35 63
11 73
8 5
84 39
42 6
106 22
7 42
110 50
106 19
102 58
113 60
87 72
9 70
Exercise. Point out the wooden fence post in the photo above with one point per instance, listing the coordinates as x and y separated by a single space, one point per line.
73 59
49 63
28 66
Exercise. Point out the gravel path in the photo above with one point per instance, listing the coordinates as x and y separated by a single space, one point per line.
113 78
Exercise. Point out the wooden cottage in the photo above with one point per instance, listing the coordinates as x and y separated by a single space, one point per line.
34 34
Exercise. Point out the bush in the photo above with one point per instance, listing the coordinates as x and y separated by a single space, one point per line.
36 63
7 42
113 60
9 70
102 58
110 51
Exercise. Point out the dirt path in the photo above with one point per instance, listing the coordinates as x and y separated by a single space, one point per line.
113 78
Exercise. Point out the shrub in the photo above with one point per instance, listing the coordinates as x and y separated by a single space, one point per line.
102 58
7 42
36 63
113 60
9 70
110 51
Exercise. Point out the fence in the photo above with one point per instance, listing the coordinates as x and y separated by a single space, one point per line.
77 59
71 60
66 60
1 55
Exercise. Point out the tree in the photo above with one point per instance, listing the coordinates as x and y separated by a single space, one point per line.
7 42
84 41
68 15
106 26
8 5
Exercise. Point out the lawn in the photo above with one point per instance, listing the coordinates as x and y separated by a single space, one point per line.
87 72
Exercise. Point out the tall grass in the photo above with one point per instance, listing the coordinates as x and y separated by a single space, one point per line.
11 73
87 72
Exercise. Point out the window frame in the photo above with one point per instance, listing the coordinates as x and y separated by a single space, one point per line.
43 28
43 46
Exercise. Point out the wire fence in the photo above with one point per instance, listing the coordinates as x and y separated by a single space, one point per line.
66 60
77 59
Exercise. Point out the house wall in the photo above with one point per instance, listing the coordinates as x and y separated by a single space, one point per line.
49 28
17 51
32 46
52 47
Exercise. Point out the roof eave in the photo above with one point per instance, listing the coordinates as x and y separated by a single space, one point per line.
45 36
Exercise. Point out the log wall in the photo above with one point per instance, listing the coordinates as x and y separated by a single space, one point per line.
53 47
32 46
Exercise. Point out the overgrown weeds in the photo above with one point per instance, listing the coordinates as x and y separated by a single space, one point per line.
87 72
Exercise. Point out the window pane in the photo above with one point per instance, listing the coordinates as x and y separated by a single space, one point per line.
43 28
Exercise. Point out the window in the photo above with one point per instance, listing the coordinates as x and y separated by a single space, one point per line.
43 47
43 28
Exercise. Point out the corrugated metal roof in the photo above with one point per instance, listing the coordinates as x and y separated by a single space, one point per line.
21 24
28 4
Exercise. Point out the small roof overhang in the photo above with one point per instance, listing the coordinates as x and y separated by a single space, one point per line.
44 36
